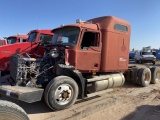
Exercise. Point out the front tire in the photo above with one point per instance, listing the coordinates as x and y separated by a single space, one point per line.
141 62
61 93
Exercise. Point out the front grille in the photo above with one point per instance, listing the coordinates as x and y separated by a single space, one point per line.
15 63
149 58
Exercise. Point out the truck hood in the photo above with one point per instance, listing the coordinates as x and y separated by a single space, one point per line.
7 51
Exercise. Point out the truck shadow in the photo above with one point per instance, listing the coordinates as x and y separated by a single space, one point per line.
129 84
30 108
144 112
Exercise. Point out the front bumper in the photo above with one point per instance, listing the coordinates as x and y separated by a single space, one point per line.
148 60
25 94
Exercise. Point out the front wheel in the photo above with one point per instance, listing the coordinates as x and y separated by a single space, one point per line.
136 60
61 93
141 62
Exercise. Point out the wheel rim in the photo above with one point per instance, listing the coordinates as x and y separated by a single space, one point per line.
147 77
157 76
63 94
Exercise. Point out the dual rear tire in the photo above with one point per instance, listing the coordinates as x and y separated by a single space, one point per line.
155 71
145 76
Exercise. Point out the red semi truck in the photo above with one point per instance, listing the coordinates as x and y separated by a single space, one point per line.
16 39
30 47
83 58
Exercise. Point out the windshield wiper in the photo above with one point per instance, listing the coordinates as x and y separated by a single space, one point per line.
60 44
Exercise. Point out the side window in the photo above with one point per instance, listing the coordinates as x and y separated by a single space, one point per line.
90 39
120 27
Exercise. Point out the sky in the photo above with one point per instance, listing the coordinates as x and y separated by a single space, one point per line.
22 16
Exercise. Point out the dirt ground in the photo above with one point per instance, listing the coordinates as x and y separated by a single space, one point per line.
128 102
135 105
144 106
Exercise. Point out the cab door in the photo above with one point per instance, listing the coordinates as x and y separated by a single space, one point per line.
88 56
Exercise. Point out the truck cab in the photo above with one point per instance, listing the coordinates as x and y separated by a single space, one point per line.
145 56
106 39
31 46
17 38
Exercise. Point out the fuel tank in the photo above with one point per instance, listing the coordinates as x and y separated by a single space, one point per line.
102 82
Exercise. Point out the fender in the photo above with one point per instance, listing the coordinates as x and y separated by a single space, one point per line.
70 71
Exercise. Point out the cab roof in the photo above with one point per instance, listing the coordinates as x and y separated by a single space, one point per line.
79 25
104 22
107 22
19 36
45 31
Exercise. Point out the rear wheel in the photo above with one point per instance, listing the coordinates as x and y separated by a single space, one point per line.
141 62
61 93
134 77
144 77
155 72
154 62
11 111
136 60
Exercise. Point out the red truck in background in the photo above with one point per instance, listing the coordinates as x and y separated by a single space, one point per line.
3 42
16 39
31 46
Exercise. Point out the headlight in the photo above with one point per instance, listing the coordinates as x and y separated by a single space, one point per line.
54 53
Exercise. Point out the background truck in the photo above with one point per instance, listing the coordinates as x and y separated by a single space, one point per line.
30 47
82 58
16 38
145 56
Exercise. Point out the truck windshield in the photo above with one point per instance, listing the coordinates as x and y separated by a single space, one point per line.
66 36
46 38
147 53
11 40
32 37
